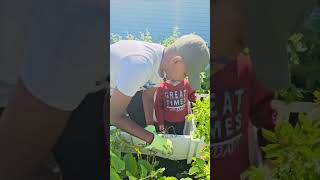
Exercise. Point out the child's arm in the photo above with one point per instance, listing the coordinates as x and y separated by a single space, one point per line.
262 114
159 107
191 93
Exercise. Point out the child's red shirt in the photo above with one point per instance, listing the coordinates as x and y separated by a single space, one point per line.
171 102
239 98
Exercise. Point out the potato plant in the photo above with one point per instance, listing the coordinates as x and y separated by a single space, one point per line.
201 116
304 53
126 166
293 152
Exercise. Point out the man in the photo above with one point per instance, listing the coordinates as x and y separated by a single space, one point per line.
138 66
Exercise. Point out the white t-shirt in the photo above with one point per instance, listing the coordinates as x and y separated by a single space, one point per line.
66 56
134 66
14 20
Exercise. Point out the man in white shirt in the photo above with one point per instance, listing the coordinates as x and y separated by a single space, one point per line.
140 66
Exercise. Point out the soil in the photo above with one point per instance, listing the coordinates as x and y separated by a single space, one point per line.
175 168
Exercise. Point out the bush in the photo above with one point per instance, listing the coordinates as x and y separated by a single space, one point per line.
201 116
294 152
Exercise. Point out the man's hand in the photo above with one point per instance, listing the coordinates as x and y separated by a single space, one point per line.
161 144
151 128
118 106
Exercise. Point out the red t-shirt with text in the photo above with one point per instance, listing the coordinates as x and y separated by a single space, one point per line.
171 102
239 98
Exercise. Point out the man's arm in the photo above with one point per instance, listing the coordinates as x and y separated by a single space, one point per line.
28 130
118 105
148 104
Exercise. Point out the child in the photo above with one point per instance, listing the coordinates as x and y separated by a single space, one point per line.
171 105
239 98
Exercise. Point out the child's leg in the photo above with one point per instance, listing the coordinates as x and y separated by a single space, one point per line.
174 128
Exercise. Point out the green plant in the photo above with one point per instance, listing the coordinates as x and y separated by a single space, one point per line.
201 116
294 152
146 36
114 38
201 166
170 40
290 94
304 53
296 47
205 82
126 166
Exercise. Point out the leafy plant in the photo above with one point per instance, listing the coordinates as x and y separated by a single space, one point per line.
171 39
146 36
294 152
201 166
304 52
291 94
205 82
296 47
201 115
126 166
114 38
316 94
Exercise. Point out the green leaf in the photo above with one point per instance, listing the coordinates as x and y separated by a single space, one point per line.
275 158
305 151
190 117
316 155
132 178
171 178
131 164
143 171
200 162
193 170
257 173
114 175
269 135
146 164
167 178
316 94
116 162
186 178
270 148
